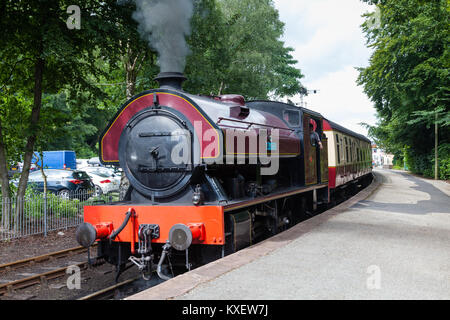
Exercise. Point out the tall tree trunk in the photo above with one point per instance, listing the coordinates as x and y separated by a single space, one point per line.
34 122
131 83
220 89
132 65
4 180
41 168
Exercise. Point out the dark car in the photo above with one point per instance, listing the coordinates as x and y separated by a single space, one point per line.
66 184
16 169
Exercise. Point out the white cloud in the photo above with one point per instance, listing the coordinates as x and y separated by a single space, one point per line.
341 100
324 33
329 43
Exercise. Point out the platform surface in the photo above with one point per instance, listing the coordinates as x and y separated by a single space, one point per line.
391 241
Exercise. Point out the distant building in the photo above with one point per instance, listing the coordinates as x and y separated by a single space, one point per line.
380 158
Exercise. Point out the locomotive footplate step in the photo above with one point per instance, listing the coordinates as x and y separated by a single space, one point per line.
233 205
390 241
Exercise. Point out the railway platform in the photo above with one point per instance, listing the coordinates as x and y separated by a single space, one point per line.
390 241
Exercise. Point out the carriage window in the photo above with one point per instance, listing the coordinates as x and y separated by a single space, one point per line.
351 150
292 117
338 146
355 150
346 149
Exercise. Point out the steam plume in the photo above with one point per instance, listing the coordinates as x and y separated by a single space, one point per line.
164 24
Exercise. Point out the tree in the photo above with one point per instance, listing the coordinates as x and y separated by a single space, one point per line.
236 48
60 85
42 55
408 78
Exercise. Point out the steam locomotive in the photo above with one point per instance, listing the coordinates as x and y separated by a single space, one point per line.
212 175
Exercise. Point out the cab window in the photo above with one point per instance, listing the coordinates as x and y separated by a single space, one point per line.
292 117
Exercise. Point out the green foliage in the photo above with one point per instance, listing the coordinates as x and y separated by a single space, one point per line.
56 207
40 57
12 108
236 48
222 34
33 204
418 163
423 163
408 78
444 161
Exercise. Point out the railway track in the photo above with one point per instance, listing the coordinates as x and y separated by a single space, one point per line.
15 287
45 257
108 292
40 278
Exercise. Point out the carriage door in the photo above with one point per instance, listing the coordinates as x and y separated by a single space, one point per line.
311 157
323 154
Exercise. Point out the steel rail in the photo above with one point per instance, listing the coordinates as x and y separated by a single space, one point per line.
52 255
107 292
37 279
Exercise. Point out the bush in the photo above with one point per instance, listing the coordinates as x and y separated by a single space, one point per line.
444 161
417 163
398 163
423 164
33 204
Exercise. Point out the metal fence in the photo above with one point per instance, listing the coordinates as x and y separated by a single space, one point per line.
39 213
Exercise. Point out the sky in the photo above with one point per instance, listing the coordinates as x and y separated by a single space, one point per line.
329 44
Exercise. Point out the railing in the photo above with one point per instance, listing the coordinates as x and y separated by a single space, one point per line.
39 213
249 124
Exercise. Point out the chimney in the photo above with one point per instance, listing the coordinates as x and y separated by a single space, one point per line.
170 80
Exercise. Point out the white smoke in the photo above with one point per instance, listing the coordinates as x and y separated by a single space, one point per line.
164 24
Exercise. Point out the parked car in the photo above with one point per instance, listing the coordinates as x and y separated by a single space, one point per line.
82 163
95 162
17 169
66 184
104 179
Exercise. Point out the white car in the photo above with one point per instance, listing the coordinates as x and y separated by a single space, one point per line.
104 179
94 161
82 163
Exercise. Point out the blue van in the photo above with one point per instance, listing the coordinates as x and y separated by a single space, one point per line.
57 159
